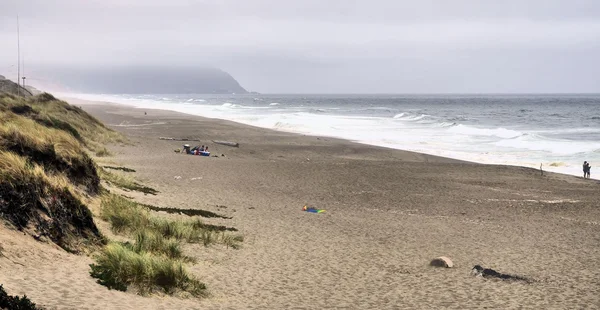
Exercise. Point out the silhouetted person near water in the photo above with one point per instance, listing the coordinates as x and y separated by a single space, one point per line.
586 170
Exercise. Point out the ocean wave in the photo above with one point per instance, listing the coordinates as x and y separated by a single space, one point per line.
274 103
489 132
595 117
409 117
535 142
446 124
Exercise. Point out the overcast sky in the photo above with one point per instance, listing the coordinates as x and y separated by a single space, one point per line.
323 46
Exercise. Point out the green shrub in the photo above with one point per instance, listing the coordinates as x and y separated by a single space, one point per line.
15 302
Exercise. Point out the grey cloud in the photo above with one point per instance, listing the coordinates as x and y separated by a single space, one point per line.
324 46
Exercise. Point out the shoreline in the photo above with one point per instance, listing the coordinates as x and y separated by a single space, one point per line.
544 167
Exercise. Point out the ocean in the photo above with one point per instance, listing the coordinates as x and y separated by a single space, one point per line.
556 131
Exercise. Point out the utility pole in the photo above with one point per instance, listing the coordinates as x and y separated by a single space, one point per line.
24 73
18 59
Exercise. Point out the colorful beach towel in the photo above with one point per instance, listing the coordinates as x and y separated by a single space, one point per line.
312 210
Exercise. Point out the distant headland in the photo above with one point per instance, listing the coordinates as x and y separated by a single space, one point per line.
146 80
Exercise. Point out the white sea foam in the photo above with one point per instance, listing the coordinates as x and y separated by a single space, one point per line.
472 131
408 130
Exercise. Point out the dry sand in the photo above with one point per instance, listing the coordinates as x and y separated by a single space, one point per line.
388 214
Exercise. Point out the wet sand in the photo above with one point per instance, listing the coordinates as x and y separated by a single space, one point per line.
389 213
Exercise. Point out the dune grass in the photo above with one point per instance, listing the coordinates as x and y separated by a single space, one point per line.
154 260
126 216
48 202
119 267
53 149
123 214
149 241
125 182
50 112
103 152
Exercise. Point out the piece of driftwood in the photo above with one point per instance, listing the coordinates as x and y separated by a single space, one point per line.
228 143
178 139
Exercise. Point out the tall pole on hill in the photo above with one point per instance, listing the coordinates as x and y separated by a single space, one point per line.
18 58
23 77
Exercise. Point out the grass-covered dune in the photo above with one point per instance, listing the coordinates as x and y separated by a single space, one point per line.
47 176
45 169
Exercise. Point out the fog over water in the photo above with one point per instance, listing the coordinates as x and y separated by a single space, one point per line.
274 46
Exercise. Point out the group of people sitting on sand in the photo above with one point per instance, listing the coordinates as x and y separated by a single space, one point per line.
586 170
196 150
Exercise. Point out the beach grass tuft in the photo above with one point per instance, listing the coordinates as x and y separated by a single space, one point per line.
119 266
127 216
154 260
103 152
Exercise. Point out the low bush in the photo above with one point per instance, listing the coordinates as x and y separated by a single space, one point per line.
15 302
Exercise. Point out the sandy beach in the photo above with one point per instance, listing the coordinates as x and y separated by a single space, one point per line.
389 213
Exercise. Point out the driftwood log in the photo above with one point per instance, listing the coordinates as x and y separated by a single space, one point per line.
179 139
228 143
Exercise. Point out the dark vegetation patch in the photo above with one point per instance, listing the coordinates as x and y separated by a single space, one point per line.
125 169
188 212
493 274
125 182
139 188
212 227
15 302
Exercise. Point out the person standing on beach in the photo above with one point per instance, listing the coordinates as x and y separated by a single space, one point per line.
589 168
586 170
